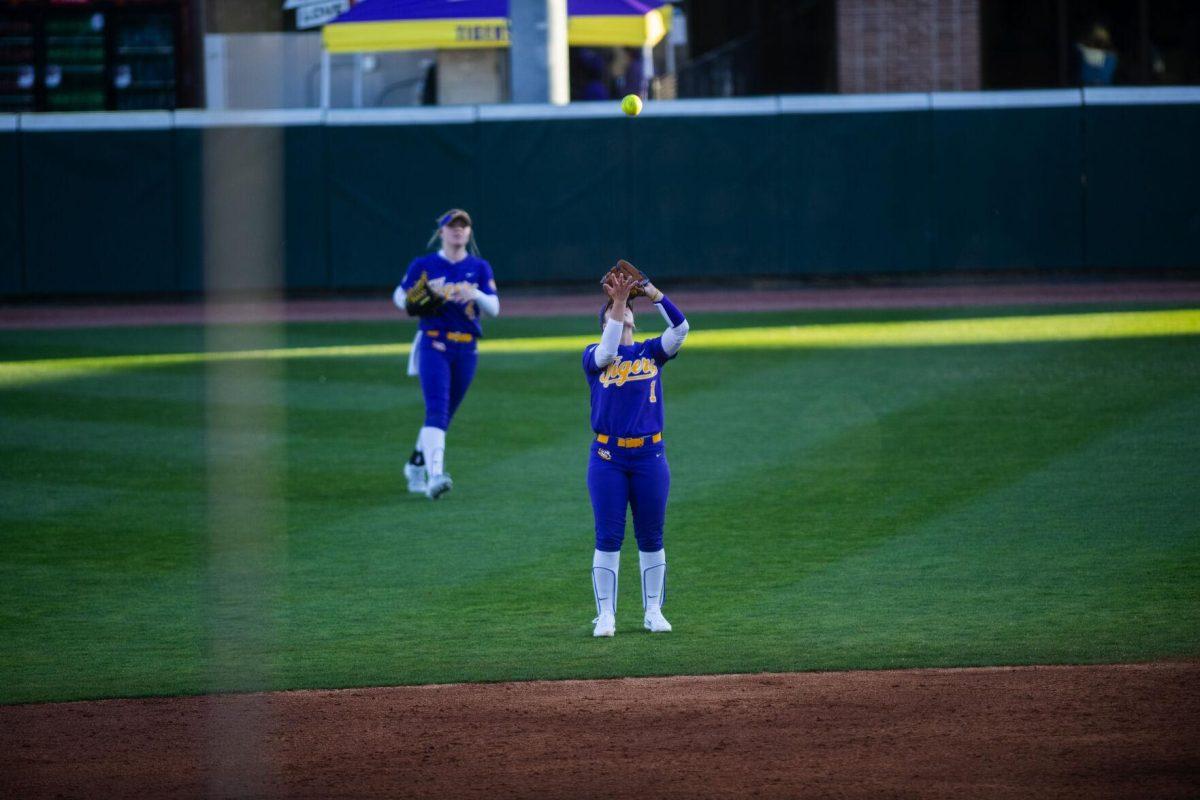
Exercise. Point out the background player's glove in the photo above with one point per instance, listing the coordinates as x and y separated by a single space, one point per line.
642 286
422 300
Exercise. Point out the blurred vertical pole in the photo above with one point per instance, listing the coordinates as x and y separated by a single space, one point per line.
538 30
647 68
326 78
557 52
243 253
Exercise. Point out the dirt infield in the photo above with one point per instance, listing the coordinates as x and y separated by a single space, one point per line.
1047 732
544 305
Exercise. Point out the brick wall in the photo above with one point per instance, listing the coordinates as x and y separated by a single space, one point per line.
908 45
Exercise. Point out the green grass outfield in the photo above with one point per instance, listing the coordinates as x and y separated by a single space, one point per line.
850 490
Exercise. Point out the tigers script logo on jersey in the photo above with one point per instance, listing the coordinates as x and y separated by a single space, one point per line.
459 292
621 371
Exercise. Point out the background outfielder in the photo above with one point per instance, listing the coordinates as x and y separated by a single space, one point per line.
628 463
447 290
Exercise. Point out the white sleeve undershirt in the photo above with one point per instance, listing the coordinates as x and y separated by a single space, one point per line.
488 303
672 338
606 352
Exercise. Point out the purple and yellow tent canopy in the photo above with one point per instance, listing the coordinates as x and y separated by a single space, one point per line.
381 25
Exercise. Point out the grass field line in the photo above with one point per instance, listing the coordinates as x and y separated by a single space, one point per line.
908 333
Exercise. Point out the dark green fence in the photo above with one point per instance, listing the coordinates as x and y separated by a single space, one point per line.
1142 168
855 193
97 210
784 187
11 255
386 185
553 198
252 207
1007 189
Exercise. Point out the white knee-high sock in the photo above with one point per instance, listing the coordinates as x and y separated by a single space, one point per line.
654 578
605 567
433 445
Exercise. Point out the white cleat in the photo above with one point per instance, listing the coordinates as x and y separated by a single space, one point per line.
416 478
438 485
655 622
606 625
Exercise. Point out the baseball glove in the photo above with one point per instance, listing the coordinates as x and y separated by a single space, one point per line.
642 288
421 300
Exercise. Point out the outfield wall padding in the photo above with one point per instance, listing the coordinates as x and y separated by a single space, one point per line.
553 196
1059 180
1008 187
854 194
704 197
1143 186
98 212
10 215
386 185
264 222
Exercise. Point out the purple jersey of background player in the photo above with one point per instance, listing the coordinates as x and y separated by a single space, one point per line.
627 395
460 278
444 350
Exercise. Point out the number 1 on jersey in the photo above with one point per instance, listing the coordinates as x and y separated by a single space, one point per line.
653 397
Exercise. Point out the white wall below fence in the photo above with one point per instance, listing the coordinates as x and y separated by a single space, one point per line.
283 70
472 77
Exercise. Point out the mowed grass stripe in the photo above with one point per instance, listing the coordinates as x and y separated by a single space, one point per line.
918 333
1087 559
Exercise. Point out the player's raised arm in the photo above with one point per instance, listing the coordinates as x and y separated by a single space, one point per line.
673 336
677 330
617 288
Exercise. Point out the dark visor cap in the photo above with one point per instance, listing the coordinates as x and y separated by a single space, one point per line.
450 216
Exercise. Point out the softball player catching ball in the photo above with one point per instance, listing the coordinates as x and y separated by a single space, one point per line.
628 464
447 290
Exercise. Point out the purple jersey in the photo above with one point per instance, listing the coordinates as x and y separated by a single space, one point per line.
627 394
459 313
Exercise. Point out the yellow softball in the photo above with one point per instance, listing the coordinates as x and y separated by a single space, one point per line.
631 104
